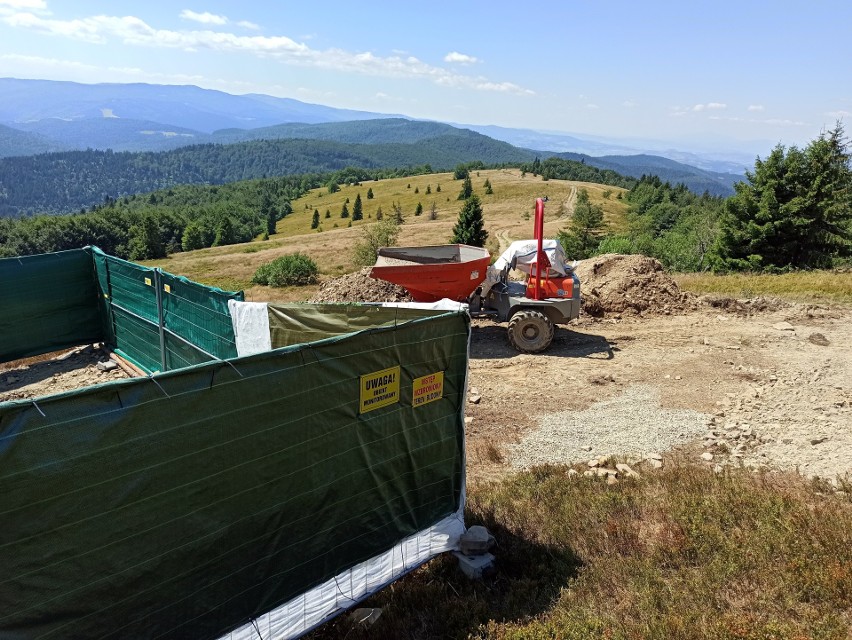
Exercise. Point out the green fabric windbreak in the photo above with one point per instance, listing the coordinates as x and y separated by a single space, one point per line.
133 316
299 323
200 315
183 508
47 302
195 320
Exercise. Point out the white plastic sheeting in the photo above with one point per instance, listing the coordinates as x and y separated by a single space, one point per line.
251 327
524 253
312 608
444 304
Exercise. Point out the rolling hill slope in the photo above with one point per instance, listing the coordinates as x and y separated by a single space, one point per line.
14 142
65 182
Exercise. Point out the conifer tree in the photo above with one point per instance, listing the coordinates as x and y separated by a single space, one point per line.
466 190
357 211
469 228
794 211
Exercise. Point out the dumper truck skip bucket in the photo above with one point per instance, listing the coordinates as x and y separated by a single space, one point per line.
451 271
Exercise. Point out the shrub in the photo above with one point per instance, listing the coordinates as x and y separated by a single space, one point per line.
291 269
616 244
373 237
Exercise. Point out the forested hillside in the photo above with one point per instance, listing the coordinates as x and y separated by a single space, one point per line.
14 142
150 226
562 169
68 181
697 180
379 131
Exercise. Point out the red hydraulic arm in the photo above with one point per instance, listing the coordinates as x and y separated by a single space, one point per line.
542 264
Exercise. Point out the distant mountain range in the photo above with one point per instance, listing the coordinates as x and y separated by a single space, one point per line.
41 116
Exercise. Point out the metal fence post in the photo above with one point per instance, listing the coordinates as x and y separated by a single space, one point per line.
158 285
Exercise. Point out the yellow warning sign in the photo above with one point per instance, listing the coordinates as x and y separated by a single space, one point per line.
427 389
148 281
167 288
379 389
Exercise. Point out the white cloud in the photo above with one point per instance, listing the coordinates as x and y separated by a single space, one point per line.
203 18
710 105
134 31
755 107
245 24
592 106
460 58
784 122
34 5
629 104
839 114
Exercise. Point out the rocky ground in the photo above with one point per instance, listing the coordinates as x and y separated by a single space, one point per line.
650 372
55 373
768 389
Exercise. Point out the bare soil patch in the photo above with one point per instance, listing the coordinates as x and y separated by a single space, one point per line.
768 388
54 373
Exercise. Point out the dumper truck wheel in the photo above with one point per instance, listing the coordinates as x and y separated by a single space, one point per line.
530 331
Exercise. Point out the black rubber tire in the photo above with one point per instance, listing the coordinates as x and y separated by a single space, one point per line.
530 331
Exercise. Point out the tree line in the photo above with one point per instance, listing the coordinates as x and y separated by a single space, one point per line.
794 211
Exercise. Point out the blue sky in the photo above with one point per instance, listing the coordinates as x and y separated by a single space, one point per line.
723 74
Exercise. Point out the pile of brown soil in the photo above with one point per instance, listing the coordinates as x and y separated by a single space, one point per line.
360 287
614 284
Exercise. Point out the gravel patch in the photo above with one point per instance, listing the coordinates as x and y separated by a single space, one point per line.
632 425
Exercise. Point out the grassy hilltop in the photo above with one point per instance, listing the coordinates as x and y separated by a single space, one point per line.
508 216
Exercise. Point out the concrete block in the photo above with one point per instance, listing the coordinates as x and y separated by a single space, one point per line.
475 567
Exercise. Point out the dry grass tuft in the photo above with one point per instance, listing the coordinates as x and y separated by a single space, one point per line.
680 554
799 286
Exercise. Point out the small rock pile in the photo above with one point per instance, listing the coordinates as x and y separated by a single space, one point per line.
613 284
360 287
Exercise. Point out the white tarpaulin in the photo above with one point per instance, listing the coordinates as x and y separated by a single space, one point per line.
523 254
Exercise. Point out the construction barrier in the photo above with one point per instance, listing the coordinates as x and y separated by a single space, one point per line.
157 320
267 491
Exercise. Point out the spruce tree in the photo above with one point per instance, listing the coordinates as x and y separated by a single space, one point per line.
357 210
315 219
344 212
419 209
794 211
466 190
370 193
469 229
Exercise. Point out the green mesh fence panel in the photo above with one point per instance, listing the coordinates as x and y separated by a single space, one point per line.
47 302
199 314
132 311
186 507
196 324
